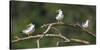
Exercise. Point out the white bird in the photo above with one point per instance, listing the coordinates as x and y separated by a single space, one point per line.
85 25
29 30
60 15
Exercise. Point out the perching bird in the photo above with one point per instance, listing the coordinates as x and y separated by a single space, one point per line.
85 25
29 30
60 15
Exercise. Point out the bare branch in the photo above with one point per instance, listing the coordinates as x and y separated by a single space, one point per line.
87 31
70 25
60 34
73 40
51 35
81 41
38 43
49 26
57 44
56 30
38 36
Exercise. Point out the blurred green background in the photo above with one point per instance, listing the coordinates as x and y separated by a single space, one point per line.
22 13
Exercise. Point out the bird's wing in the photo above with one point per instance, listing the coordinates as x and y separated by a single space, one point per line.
30 30
26 29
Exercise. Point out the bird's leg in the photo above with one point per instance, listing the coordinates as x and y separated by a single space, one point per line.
58 21
29 34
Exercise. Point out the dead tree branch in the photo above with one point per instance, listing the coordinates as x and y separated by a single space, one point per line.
65 38
38 36
81 41
70 25
59 34
50 35
38 43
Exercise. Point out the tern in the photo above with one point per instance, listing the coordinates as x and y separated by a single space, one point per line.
60 15
85 24
29 30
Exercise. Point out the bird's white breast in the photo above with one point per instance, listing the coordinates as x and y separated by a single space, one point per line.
85 25
60 16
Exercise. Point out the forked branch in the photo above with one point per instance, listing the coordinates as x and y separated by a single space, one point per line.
59 34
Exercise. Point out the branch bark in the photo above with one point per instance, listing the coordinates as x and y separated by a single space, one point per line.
38 43
75 26
59 35
38 36
50 35
81 41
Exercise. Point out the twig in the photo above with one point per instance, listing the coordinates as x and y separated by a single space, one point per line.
87 31
49 26
75 40
60 34
38 43
50 35
56 30
66 39
37 36
70 25
57 44
81 41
